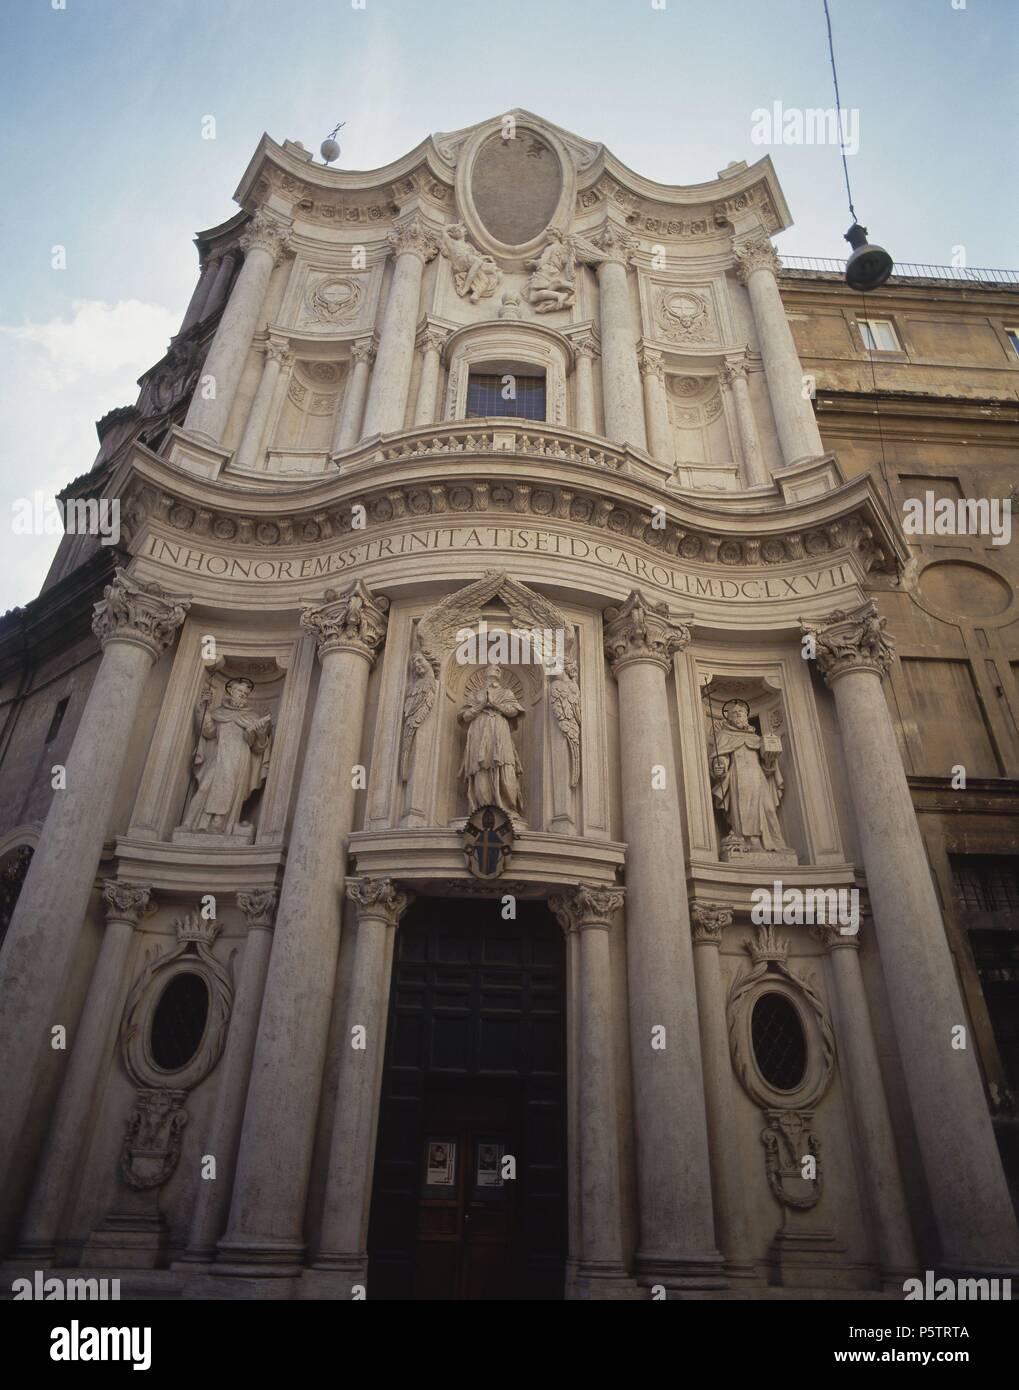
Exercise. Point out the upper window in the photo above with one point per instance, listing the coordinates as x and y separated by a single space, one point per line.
505 393
879 335
1012 334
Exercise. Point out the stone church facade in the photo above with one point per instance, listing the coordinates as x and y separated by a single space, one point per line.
499 617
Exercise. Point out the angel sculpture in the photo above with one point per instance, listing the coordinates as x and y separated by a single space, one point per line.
552 283
564 696
475 275
417 706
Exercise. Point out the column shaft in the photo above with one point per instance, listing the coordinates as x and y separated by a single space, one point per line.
348 427
387 398
621 389
755 470
659 432
424 412
250 453
208 415
135 622
198 298
585 389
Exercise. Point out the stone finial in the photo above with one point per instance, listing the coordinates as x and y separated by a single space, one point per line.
851 641
414 237
379 897
258 906
132 610
265 232
354 621
640 630
587 905
707 921
127 902
755 253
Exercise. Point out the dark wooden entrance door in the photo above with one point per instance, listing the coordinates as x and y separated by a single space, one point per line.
474 1074
466 1229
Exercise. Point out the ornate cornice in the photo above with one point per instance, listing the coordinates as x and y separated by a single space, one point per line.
379 897
266 232
755 253
707 921
851 641
259 907
127 902
639 630
132 610
587 905
355 621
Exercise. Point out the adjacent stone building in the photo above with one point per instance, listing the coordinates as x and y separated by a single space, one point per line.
511 603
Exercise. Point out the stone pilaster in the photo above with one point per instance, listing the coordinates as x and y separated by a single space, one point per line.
135 622
344 1240
708 923
265 1234
586 912
348 427
414 245
126 905
756 267
622 394
213 1201
277 356
676 1226
973 1212
263 243
734 379
585 351
660 442
881 1183
430 341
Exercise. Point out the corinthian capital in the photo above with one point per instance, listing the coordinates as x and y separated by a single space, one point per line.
353 621
651 364
755 253
587 905
639 630
265 232
363 351
850 641
615 243
707 921
414 237
258 906
132 610
127 902
379 897
733 369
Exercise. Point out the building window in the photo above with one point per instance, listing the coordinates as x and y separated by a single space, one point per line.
58 718
178 1025
505 393
780 1046
12 875
986 890
1012 334
879 335
985 883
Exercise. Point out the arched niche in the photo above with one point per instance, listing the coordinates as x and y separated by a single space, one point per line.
505 346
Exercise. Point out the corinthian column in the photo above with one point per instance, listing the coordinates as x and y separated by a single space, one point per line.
263 244
734 378
972 1209
677 1237
126 904
414 245
723 1140
756 264
250 453
659 432
344 1239
621 389
198 298
348 426
212 1204
587 911
585 351
265 1233
882 1187
430 341
135 622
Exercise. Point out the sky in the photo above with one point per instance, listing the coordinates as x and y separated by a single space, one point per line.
104 104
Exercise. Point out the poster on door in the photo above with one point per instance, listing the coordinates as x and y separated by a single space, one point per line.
489 1165
440 1163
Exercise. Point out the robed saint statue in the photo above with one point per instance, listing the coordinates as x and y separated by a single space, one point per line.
746 780
491 765
231 761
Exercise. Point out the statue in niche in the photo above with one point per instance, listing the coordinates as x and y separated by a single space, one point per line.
552 283
475 276
746 784
564 697
231 761
417 706
491 765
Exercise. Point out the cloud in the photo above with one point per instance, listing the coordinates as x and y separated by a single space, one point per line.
98 339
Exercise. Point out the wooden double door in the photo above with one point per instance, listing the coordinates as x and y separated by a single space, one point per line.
470 1189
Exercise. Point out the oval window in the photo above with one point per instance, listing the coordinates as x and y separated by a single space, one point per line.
780 1045
178 1024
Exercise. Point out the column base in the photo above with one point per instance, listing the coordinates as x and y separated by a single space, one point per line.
195 453
223 1284
260 1256
346 1280
39 1254
681 1272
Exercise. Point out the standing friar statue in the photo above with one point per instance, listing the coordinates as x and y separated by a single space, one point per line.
231 761
746 785
491 764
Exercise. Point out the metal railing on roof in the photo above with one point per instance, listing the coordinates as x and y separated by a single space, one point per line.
973 274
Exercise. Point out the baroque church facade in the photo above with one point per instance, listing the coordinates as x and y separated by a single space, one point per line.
493 627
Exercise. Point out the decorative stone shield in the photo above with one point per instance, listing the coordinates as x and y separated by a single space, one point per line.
488 841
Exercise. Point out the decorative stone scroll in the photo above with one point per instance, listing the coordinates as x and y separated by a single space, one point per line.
132 610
